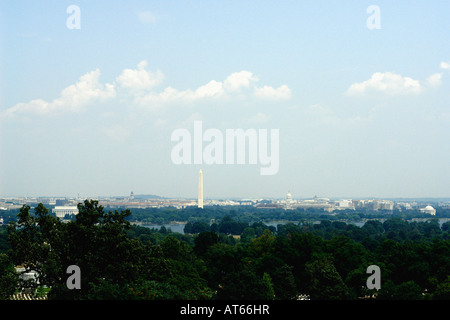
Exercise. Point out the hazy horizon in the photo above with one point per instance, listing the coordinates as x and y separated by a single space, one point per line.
359 91
157 197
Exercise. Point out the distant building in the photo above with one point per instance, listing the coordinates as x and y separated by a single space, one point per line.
288 198
61 211
288 202
344 204
429 209
386 205
403 206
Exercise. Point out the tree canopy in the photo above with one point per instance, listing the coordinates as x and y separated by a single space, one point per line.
227 259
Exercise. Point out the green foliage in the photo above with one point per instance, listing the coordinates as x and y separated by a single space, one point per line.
442 291
325 282
245 284
236 257
203 241
230 226
196 227
8 277
284 283
4 244
408 290
152 290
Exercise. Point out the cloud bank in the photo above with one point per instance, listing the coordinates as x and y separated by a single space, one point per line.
388 83
74 98
139 86
391 84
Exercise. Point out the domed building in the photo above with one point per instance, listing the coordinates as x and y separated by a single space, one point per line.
288 202
429 210
288 197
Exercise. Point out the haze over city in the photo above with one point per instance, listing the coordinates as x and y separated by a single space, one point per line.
90 110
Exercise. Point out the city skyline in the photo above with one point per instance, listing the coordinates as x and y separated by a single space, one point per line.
357 91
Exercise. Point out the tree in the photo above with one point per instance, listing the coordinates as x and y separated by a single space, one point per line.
446 226
442 291
267 287
348 254
188 227
181 268
4 245
404 291
203 241
325 283
220 260
96 241
247 235
373 227
262 244
199 227
246 285
8 277
284 283
229 226
390 252
31 239
296 249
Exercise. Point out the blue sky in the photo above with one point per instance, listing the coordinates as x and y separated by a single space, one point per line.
361 112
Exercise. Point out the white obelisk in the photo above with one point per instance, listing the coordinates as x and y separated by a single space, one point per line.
200 189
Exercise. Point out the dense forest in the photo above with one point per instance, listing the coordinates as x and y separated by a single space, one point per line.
234 257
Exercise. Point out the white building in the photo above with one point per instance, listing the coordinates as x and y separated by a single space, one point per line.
386 205
344 204
61 211
429 209
26 276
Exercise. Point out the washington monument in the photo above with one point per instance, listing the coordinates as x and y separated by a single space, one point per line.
200 189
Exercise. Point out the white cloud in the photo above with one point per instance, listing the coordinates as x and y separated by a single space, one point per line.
445 65
268 92
139 79
138 85
241 83
387 82
238 80
74 98
211 89
434 80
